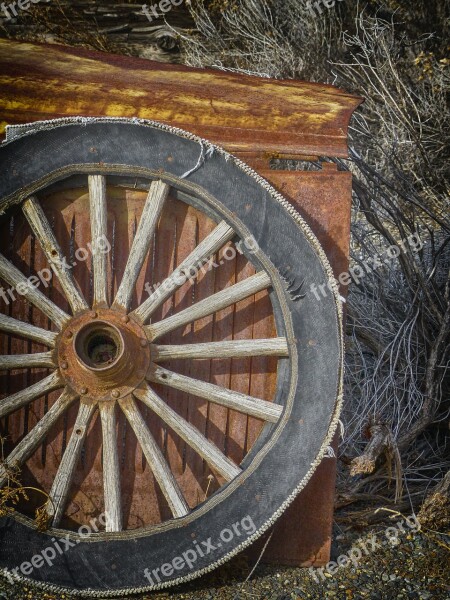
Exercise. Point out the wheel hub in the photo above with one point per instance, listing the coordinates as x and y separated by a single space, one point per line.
103 354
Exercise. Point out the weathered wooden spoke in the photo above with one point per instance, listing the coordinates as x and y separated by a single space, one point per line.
208 451
267 411
44 234
233 349
59 494
99 232
15 327
19 399
16 279
111 471
222 234
223 299
35 437
25 361
155 459
152 209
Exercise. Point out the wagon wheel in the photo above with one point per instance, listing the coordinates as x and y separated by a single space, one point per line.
105 354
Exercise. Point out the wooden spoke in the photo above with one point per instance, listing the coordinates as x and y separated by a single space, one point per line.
14 327
267 411
210 453
59 493
155 459
99 231
19 399
27 446
233 349
111 471
16 279
153 206
222 234
44 233
25 361
206 307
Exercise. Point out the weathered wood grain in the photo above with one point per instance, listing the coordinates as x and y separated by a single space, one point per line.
150 215
187 269
25 448
44 234
230 349
216 302
59 494
99 222
26 361
213 456
111 469
30 332
20 283
19 399
219 395
155 459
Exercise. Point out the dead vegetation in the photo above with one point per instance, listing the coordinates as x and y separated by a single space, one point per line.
396 415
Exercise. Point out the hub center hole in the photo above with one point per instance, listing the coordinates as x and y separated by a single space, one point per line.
99 345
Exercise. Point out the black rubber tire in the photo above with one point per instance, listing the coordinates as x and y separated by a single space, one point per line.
310 383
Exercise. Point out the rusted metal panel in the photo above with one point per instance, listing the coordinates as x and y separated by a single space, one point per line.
241 113
302 536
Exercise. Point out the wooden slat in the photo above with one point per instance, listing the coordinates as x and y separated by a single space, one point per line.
155 459
216 302
25 361
153 206
30 332
213 242
25 448
231 349
255 407
99 223
111 470
59 494
213 456
15 278
19 399
44 234
239 112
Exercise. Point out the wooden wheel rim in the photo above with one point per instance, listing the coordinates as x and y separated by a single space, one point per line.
284 288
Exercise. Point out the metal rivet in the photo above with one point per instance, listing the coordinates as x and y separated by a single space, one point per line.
64 365
83 390
144 343
115 393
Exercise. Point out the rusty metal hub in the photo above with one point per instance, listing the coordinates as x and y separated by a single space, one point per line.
103 354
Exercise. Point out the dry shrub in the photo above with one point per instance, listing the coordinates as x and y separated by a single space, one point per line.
397 358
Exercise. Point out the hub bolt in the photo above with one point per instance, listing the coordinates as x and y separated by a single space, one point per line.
64 365
115 393
144 343
93 314
125 319
83 390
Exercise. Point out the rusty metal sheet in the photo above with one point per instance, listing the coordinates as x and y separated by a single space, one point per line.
239 112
